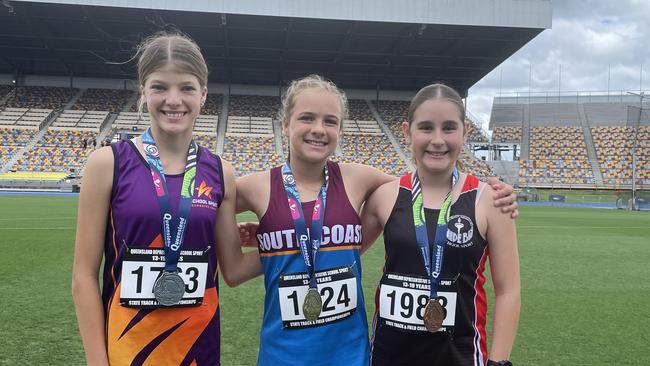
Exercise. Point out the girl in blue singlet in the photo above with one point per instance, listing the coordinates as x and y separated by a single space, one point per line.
440 227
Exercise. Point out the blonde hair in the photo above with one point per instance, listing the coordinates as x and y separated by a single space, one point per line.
311 82
175 48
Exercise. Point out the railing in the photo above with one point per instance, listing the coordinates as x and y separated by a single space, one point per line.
599 96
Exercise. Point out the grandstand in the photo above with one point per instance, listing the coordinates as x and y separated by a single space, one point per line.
71 91
110 100
575 141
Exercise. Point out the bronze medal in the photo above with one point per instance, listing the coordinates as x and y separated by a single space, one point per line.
312 305
433 315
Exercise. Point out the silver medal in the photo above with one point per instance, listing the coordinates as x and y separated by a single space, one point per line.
169 288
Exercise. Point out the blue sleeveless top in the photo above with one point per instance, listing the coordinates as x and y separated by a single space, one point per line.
340 335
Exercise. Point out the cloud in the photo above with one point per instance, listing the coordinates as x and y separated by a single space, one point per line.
593 45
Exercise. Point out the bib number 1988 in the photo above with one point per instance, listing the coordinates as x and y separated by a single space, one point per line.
402 300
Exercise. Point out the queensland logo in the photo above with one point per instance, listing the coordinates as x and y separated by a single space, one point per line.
460 231
204 197
288 179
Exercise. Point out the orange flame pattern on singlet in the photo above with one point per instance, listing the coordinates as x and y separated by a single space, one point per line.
173 349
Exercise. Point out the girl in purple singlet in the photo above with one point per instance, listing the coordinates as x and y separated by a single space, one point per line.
155 209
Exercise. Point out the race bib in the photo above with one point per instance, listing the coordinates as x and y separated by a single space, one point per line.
402 300
142 266
338 290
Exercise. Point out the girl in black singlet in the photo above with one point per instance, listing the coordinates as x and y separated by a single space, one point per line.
406 331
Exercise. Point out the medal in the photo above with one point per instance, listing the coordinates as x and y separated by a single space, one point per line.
169 288
312 305
308 241
433 315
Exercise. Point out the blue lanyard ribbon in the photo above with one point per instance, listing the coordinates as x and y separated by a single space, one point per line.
432 261
309 241
172 233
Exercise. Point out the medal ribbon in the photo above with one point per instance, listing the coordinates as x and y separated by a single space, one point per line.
432 261
309 241
172 233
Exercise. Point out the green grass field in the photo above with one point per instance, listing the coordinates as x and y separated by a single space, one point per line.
585 288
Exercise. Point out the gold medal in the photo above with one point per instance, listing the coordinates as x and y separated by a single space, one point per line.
434 314
312 305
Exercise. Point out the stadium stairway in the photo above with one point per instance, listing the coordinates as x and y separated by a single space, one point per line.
3 98
129 103
589 141
507 170
390 136
74 99
525 134
591 153
223 123
277 128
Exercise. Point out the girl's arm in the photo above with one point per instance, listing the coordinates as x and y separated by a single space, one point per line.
376 211
504 197
94 201
360 181
504 266
236 266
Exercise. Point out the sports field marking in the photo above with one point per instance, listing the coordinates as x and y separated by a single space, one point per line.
578 227
38 228
39 218
518 227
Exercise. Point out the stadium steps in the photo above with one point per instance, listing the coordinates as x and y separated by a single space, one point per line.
591 150
593 158
4 98
129 103
223 123
391 137
507 170
277 134
525 134
74 99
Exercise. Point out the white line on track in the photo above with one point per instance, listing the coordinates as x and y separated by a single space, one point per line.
37 228
49 218
578 227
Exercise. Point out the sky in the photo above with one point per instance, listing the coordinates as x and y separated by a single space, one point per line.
595 43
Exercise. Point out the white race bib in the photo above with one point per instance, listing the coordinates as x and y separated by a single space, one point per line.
142 266
338 290
402 300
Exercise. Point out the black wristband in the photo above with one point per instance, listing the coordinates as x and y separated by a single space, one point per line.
499 363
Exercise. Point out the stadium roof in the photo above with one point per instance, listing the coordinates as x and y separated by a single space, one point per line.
42 38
